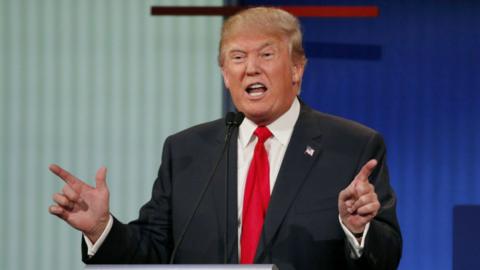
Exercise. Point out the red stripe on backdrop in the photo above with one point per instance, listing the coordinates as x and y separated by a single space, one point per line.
333 11
300 11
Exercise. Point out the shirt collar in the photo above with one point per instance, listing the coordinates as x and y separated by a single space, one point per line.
281 128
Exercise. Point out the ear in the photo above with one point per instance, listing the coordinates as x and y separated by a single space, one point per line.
297 73
225 78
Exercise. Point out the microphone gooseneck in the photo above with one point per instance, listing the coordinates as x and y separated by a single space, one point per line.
232 121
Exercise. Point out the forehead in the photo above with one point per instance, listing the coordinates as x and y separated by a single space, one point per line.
253 41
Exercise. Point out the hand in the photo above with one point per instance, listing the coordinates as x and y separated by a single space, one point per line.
82 206
358 203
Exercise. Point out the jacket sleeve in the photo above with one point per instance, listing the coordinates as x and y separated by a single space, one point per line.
383 243
147 239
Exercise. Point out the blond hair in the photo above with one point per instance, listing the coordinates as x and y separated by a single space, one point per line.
268 20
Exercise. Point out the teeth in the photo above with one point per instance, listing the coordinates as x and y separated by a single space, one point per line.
256 85
256 94
256 89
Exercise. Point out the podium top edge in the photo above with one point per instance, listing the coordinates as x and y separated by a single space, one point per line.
180 267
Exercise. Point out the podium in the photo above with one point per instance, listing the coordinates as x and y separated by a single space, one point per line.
181 267
466 237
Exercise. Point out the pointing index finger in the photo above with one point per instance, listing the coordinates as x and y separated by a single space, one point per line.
63 174
367 170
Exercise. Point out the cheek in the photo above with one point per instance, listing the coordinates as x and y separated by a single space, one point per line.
229 80
281 71
233 85
232 78
282 79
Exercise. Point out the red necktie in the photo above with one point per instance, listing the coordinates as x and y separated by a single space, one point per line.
256 198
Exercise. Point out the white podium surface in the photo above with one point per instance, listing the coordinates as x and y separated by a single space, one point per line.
181 267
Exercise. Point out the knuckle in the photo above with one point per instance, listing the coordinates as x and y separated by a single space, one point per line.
360 201
365 209
57 198
74 196
61 200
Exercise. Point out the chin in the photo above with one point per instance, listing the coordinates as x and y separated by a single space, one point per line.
259 118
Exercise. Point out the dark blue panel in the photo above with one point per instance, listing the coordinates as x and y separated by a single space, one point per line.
343 51
422 93
466 237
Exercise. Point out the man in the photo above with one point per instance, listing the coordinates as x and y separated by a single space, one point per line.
306 191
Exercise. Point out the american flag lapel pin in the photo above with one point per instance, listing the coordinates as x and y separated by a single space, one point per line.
309 151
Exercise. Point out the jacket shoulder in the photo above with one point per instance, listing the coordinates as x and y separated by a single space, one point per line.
206 132
332 124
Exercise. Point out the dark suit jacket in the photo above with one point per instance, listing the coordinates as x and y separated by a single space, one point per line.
301 229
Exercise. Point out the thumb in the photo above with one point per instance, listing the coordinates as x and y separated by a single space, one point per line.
101 178
348 193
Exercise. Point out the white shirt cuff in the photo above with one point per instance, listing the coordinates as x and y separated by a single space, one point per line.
93 248
357 248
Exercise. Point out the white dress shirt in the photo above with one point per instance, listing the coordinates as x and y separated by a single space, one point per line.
281 130
276 145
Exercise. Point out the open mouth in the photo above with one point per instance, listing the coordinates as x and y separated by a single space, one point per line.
256 89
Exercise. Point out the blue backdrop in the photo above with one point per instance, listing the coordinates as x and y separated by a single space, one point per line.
413 73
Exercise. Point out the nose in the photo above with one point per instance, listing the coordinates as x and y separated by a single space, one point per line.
252 67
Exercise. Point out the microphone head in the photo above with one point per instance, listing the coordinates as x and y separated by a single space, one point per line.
239 116
230 118
234 119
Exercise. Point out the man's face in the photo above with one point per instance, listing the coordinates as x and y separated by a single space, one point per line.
260 74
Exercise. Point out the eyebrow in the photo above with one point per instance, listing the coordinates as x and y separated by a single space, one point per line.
266 44
235 51
261 47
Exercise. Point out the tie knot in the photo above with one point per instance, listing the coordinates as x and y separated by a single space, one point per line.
262 133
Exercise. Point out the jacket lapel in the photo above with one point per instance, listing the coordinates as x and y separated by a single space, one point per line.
302 152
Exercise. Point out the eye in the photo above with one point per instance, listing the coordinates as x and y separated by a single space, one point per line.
267 55
237 57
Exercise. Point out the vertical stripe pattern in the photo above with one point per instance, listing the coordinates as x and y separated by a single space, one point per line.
86 84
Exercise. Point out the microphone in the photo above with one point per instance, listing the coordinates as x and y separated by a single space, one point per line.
232 121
